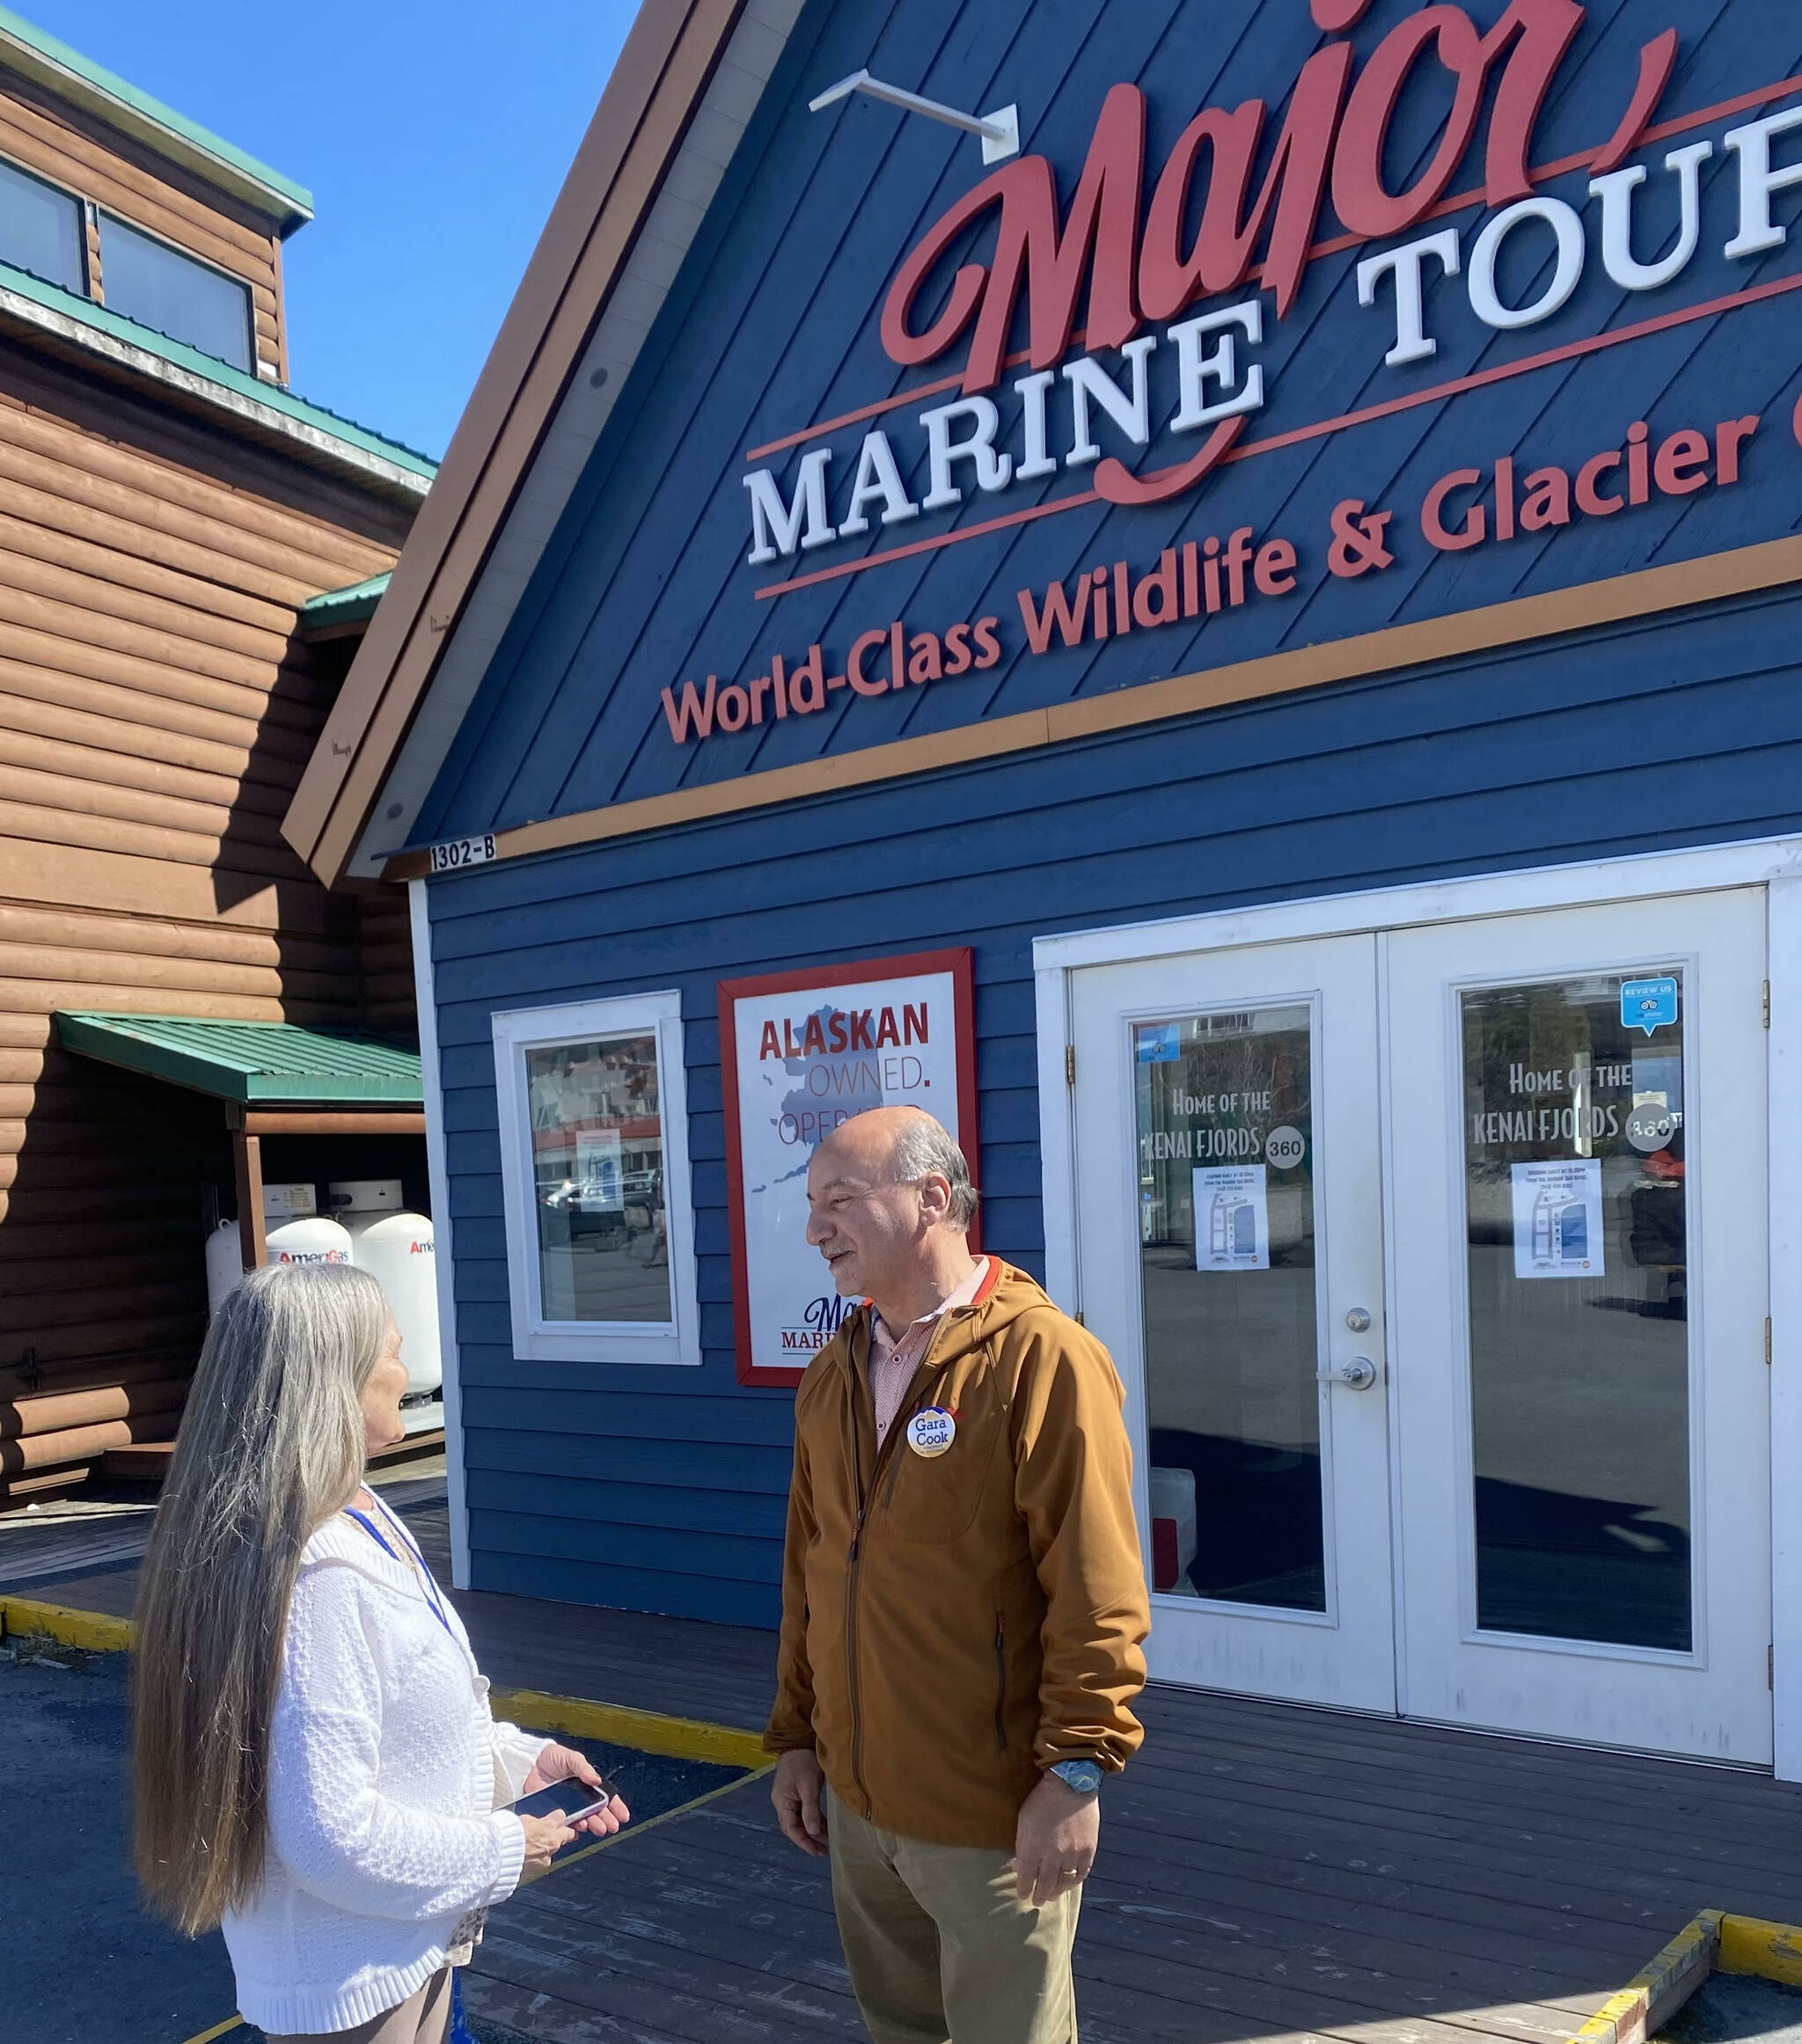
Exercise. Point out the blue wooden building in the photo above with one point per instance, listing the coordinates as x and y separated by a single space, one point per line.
1251 553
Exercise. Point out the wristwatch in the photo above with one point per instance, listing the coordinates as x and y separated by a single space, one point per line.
1083 1776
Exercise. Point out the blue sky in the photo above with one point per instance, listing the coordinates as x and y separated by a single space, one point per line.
433 135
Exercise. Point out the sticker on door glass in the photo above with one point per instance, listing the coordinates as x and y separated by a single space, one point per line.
1232 1218
1558 1219
1160 1043
1284 1147
1648 1004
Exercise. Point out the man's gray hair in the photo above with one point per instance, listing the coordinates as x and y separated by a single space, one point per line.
925 1148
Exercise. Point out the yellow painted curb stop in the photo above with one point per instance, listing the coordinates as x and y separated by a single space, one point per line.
618 1724
644 1731
94 1630
1714 1942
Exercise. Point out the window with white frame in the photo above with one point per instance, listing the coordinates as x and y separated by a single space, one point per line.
594 1162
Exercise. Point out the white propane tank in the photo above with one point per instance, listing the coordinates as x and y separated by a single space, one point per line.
224 1263
397 1248
304 1235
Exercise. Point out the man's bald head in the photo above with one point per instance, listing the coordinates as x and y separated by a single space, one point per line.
890 1203
891 1146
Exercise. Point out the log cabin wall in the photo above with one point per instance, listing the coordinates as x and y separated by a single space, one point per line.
68 148
157 707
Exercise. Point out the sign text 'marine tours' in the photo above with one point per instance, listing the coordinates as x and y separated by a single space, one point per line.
1134 251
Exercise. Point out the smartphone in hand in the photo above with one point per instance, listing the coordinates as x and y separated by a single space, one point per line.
576 1799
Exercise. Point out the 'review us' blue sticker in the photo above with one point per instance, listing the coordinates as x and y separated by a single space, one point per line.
1648 1004
1160 1043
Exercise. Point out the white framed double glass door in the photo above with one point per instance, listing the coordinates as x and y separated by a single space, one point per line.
1229 1236
1435 1260
1579 1270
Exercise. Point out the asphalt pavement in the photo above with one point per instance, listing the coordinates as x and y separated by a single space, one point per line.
86 1963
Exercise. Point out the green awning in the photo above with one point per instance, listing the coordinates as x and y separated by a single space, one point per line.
252 1062
355 605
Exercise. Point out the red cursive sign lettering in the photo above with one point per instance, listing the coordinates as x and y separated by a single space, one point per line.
1331 143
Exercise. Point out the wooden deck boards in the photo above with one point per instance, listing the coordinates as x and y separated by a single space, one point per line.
1266 1873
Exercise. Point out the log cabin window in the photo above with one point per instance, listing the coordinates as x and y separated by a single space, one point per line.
594 1162
159 287
40 230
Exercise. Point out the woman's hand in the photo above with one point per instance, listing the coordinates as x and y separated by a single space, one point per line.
545 1837
563 1763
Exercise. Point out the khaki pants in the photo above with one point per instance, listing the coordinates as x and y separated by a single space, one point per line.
940 1950
422 2018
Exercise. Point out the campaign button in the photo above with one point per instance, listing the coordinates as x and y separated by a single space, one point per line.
932 1431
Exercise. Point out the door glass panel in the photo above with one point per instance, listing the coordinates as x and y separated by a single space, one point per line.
1578 1265
1225 1114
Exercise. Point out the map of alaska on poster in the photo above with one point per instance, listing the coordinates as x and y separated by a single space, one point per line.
807 1059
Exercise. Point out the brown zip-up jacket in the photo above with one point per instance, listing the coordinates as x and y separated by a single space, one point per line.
953 1625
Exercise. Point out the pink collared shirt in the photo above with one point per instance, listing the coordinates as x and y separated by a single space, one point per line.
892 1363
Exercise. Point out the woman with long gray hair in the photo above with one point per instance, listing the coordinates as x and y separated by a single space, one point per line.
317 1771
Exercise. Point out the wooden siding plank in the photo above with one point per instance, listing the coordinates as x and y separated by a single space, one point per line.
30 717
119 703
195 622
89 787
32 996
122 532
165 681
52 826
112 765
145 637
184 442
64 876
209 599
41 454
146 971
149 936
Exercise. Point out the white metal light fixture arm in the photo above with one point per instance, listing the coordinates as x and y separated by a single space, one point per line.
999 131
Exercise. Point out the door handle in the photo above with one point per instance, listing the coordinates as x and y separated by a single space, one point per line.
1357 1375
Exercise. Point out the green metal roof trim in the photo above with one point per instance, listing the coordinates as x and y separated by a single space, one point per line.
70 305
344 606
56 64
251 1062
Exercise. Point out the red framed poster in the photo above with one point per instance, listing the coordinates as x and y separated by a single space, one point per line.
801 1053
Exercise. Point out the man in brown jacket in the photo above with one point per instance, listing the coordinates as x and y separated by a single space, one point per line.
963 1604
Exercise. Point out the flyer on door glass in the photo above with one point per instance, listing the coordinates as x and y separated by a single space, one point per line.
1558 1219
801 1053
1232 1218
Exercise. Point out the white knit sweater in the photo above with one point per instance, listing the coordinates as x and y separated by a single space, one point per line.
385 1772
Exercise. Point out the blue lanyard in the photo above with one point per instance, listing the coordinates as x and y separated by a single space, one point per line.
431 1588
